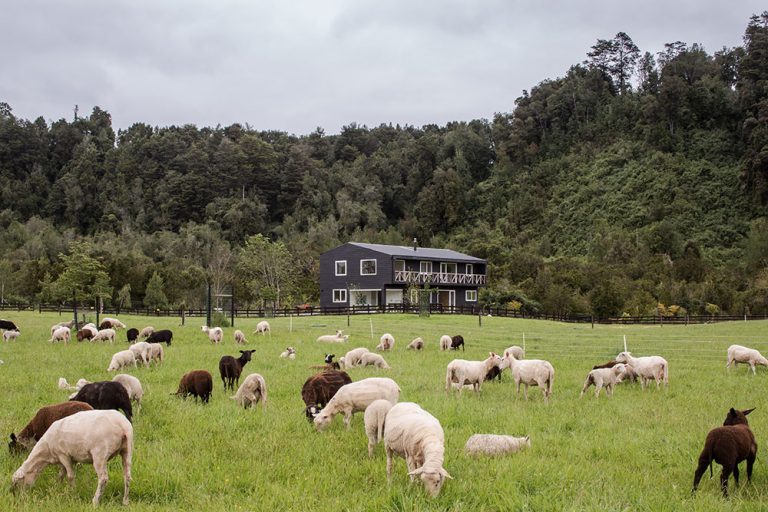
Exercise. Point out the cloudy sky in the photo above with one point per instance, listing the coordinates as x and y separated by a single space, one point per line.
297 65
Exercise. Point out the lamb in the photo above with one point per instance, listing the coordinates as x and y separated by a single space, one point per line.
230 368
105 334
215 334
7 325
60 334
493 373
132 386
146 332
85 334
531 372
121 359
288 353
416 344
339 337
156 352
85 437
10 335
355 397
445 342
728 445
141 351
69 325
353 357
263 328
463 372
240 337
374 422
647 368
493 444
386 342
105 394
373 359
198 383
330 363
318 390
252 391
40 423
516 352
738 354
63 384
603 377
417 436
132 335
456 342
113 323
162 336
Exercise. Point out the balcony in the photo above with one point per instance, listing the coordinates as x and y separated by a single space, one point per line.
436 278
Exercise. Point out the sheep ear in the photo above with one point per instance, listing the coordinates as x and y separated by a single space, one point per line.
747 411
445 474
732 412
13 437
416 472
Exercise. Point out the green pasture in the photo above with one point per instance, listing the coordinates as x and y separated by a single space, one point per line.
634 451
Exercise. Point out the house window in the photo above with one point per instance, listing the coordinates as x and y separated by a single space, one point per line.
399 265
425 267
341 267
470 295
470 268
367 267
447 268
340 295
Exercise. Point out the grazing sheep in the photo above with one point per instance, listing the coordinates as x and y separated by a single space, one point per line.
7 325
198 383
105 334
162 336
288 353
10 335
355 397
146 332
445 342
263 328
252 391
374 422
603 377
113 323
156 352
63 384
132 386
416 344
738 354
85 437
373 359
121 359
493 373
132 335
141 350
330 363
41 421
728 445
417 436
531 372
318 390
230 368
493 444
516 352
353 357
339 337
105 394
85 334
456 342
215 334
240 337
60 334
68 325
647 368
627 375
464 372
386 342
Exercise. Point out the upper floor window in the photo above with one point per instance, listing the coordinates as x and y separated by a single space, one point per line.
425 267
341 267
447 268
367 267
399 265
470 268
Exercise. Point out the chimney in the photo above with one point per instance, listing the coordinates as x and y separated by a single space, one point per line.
415 244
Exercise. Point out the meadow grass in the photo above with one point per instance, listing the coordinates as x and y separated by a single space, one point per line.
634 451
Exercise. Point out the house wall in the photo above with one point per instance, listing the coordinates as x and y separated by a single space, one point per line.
353 255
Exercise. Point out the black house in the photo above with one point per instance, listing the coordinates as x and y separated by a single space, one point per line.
357 274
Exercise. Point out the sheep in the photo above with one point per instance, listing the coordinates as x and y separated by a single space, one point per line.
113 323
121 359
141 351
146 332
263 328
445 342
627 375
355 397
230 368
105 394
493 373
156 352
69 325
240 337
516 352
132 335
60 334
647 368
132 386
288 353
417 436
494 444
386 342
738 354
7 325
530 372
318 390
373 359
85 334
85 437
603 377
728 445
464 372
215 334
353 357
330 363
252 391
339 337
416 344
41 421
105 334
162 336
198 383
456 342
374 422
10 335
63 384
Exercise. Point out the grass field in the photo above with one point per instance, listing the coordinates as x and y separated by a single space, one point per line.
635 451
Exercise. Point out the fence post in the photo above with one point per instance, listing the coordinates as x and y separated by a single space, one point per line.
593 321
182 316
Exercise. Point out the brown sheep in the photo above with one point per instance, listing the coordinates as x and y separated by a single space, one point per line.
728 445
230 368
198 383
40 423
320 388
84 334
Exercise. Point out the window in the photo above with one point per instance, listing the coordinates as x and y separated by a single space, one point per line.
367 267
470 296
425 267
340 295
399 265
470 268
341 267
447 268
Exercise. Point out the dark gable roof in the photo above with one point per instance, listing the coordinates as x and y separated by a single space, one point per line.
419 253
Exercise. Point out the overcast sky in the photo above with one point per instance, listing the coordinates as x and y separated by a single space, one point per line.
297 65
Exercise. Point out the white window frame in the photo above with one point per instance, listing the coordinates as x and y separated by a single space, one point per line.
425 267
470 268
445 265
336 267
375 265
399 261
342 294
467 293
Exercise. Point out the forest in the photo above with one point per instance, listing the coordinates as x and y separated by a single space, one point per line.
636 184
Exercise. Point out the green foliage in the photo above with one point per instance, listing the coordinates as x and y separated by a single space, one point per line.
82 275
154 296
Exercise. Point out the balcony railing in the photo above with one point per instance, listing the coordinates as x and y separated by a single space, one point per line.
409 276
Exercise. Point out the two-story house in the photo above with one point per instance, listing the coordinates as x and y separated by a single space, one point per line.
373 274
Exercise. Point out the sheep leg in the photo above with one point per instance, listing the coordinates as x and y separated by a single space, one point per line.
587 383
125 453
525 391
100 466
348 418
724 480
598 387
704 461
389 463
752 365
736 474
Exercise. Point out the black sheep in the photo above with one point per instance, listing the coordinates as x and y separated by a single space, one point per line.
330 363
7 325
132 334
163 336
320 388
106 394
198 383
456 342
493 373
230 368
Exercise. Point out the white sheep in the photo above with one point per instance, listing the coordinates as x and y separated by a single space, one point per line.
445 342
738 354
105 334
146 332
494 444
516 352
352 358
132 385
252 391
263 328
63 384
215 334
156 352
339 337
417 436
386 342
288 353
113 322
240 337
530 372
356 396
85 437
142 351
61 334
10 335
647 368
374 422
464 372
373 359
416 344
603 377
122 359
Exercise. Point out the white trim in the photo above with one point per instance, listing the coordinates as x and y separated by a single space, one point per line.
333 295
466 296
336 267
427 265
375 264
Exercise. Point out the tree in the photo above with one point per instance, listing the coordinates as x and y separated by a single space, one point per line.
124 297
83 275
154 296
267 269
617 58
